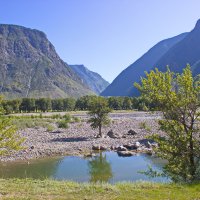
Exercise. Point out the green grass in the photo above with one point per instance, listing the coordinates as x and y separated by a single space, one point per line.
49 189
22 123
36 121
145 126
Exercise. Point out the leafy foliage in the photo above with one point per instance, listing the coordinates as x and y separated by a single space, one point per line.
9 140
98 112
177 96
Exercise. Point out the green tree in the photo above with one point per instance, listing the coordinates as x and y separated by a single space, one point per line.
98 112
115 103
83 103
9 139
69 104
43 104
127 103
27 105
57 104
177 96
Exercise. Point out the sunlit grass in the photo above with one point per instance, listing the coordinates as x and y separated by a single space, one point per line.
50 189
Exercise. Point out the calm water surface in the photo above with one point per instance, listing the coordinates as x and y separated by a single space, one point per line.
106 166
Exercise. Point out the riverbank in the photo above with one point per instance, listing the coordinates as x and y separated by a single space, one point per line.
49 189
80 139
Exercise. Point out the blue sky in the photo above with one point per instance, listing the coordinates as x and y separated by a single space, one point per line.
104 35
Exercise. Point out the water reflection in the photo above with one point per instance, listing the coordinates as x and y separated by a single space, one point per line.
104 167
100 169
39 169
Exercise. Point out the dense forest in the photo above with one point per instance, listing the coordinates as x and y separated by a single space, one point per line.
72 104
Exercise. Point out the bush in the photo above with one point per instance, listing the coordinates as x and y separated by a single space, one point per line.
63 124
67 117
76 119
56 116
144 125
50 128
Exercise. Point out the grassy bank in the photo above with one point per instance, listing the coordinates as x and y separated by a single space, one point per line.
49 189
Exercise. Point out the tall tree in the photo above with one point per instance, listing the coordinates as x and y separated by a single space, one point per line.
98 112
177 96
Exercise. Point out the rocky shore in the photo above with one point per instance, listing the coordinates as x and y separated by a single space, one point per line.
126 134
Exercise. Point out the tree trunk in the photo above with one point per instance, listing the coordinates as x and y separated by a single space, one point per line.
192 162
100 133
192 155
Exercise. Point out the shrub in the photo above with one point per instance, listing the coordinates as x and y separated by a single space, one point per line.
63 124
50 128
67 117
76 119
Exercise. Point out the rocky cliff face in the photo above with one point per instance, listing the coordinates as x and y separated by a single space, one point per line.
175 53
187 51
123 83
30 66
94 81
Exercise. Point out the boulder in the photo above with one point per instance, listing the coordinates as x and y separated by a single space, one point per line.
146 142
137 144
103 148
130 146
112 135
112 148
89 155
121 148
131 132
96 147
125 153
99 148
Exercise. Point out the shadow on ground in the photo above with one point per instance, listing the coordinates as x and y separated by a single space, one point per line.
70 139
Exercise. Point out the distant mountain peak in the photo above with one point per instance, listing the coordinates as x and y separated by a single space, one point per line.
197 26
123 83
94 81
30 66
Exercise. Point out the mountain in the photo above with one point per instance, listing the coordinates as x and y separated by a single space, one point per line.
30 66
123 83
94 81
187 51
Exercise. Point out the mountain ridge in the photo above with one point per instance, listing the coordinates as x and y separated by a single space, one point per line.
185 52
94 80
30 66
123 83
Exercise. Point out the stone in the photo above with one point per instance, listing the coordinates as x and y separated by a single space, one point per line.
125 153
112 135
103 148
148 145
137 144
132 132
112 148
99 148
130 146
96 147
89 155
121 148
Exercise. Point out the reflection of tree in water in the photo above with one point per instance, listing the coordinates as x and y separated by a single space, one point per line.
100 169
155 161
179 172
40 169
